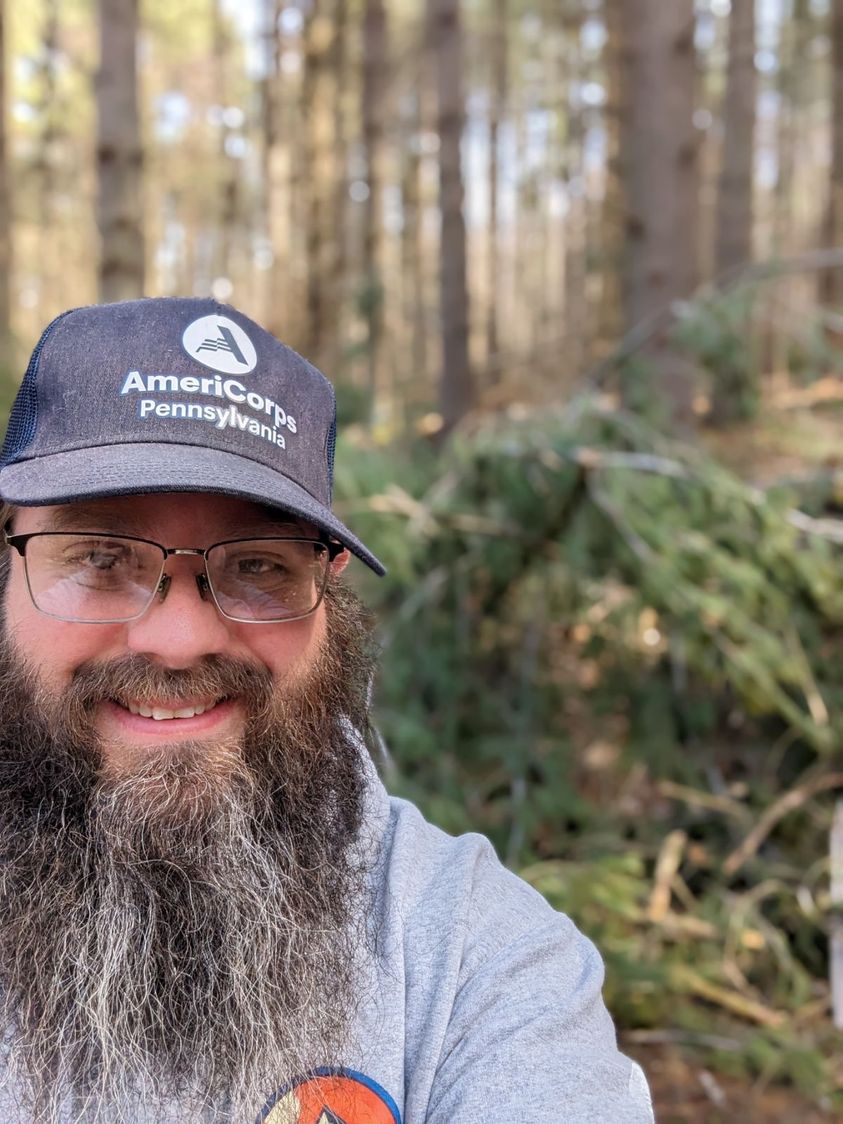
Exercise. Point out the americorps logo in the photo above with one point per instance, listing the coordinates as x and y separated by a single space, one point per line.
222 345
219 343
331 1096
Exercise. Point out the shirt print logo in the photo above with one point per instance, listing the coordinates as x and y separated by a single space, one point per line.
331 1096
219 343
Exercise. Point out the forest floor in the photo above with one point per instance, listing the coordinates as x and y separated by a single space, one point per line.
797 432
685 1092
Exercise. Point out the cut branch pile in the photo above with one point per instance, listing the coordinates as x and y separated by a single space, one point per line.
626 666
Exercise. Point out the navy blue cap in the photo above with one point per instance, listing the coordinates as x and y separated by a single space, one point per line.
173 395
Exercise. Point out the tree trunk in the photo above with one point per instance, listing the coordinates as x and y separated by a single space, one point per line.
227 203
275 228
832 288
48 109
734 386
372 112
119 154
794 40
456 390
5 216
659 170
734 203
577 327
319 178
610 316
336 246
498 86
414 294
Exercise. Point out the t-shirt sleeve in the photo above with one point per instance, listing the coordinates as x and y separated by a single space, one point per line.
529 1038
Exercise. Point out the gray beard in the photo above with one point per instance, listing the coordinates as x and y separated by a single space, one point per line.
184 933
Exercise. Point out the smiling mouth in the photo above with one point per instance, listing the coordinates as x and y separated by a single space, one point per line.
162 713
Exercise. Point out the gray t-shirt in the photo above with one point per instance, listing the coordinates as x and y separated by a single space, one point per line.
488 1004
481 1003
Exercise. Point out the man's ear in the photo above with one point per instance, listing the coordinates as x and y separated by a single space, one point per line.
340 563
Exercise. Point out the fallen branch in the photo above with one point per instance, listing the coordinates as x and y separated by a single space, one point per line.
667 865
689 980
708 800
595 459
836 936
681 926
682 1038
748 273
789 802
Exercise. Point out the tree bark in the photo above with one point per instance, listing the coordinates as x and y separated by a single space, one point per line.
734 203
610 317
498 89
832 288
577 316
734 386
795 37
44 166
456 387
227 203
659 171
337 241
372 112
5 216
413 288
275 228
319 178
119 154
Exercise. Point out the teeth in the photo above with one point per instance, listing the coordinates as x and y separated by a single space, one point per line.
160 713
189 711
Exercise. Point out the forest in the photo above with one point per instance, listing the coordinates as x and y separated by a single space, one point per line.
575 268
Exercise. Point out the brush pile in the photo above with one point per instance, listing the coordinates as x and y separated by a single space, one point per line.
625 666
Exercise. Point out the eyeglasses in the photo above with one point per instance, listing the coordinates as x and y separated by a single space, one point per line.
95 578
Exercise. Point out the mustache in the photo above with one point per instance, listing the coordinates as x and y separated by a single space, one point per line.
133 677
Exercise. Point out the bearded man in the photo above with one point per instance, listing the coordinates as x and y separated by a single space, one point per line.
212 911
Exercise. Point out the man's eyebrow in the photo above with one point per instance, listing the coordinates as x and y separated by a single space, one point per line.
96 517
89 517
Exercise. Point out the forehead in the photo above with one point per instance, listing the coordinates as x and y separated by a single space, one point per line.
144 514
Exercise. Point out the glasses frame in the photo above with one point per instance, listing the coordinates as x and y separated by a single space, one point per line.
203 580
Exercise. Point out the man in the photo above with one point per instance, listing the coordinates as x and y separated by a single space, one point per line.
212 911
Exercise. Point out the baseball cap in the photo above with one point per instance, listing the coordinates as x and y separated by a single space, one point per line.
173 395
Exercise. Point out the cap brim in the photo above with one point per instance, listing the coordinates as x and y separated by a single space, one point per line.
131 468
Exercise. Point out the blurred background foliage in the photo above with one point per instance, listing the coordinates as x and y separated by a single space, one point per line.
625 665
576 270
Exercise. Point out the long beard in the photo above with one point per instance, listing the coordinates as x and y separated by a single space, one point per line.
184 931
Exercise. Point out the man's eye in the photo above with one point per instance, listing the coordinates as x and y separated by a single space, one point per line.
103 560
96 558
258 566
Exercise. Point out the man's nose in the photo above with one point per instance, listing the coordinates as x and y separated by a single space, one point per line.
183 625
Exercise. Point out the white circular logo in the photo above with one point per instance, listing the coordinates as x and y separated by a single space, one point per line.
222 345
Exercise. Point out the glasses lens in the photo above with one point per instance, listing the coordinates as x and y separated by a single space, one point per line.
268 579
95 578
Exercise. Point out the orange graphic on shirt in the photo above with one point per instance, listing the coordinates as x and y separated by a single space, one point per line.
333 1098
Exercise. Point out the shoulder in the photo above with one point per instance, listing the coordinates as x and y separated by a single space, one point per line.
460 875
456 890
500 983
457 882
